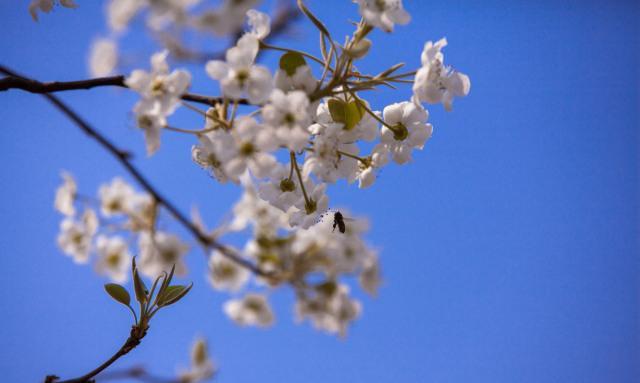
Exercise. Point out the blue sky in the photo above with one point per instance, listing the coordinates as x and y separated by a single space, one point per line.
509 246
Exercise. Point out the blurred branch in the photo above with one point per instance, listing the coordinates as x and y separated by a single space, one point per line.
136 373
124 158
33 86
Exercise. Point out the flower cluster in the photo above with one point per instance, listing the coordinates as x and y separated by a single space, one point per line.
124 216
285 137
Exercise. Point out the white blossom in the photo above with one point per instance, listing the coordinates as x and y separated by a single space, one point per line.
103 57
113 258
410 129
202 366
115 197
225 274
309 211
289 116
76 235
366 173
66 195
383 13
226 19
366 129
120 12
251 209
251 145
160 252
302 79
435 83
160 93
259 22
281 190
251 310
215 149
331 159
331 310
238 75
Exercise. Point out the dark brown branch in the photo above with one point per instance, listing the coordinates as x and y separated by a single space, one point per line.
33 86
125 160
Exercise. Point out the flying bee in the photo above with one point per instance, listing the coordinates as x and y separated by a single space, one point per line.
338 220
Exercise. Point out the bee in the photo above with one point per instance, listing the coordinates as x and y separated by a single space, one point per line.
338 220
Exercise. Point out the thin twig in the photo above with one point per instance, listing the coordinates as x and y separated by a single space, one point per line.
132 342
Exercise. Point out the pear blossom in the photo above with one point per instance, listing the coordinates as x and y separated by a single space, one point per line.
120 12
202 367
302 79
251 146
331 309
282 189
370 278
160 92
435 83
115 197
103 57
226 19
310 211
410 129
225 274
113 258
327 159
366 174
251 310
159 252
288 114
238 75
66 195
383 13
251 209
259 22
75 236
214 150
366 129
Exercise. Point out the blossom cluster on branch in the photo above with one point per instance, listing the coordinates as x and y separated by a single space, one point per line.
307 126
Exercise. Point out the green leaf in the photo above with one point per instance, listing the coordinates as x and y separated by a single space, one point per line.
172 294
290 61
118 293
140 288
347 113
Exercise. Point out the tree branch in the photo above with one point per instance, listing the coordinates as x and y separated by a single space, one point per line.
33 86
132 342
124 158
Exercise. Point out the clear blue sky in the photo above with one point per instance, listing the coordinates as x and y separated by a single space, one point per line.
510 245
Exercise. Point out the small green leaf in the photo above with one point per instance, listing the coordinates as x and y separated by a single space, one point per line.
290 61
172 294
347 113
140 288
118 293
